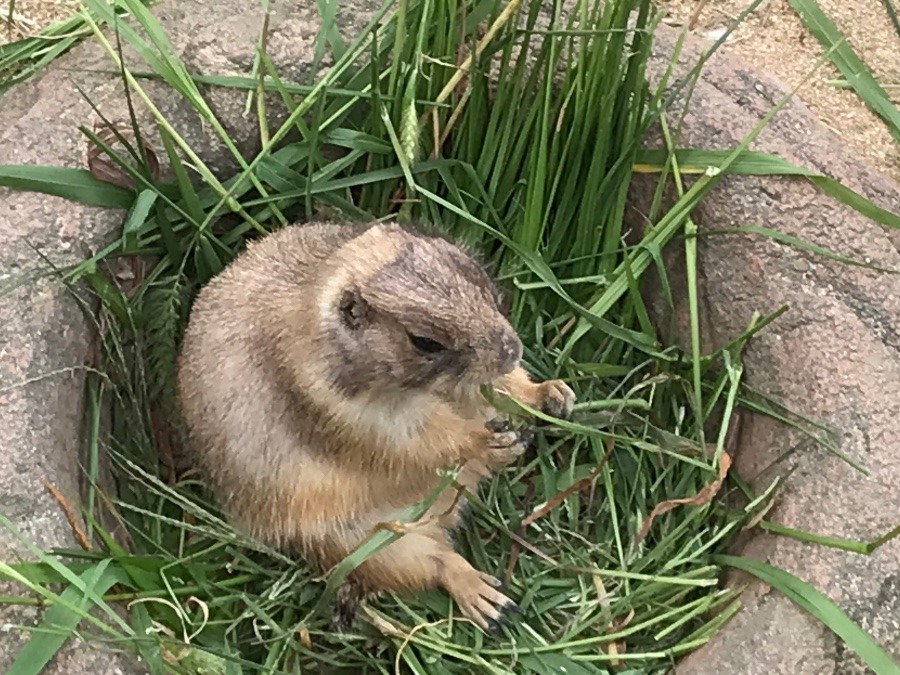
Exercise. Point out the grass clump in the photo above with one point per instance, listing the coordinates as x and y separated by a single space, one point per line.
516 128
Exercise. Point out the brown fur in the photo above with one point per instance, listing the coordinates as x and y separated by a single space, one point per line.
315 416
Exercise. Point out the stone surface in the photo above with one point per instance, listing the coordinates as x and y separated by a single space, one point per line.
834 356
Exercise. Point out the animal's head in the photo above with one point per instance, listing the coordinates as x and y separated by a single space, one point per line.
408 312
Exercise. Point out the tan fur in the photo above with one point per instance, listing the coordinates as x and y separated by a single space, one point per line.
312 430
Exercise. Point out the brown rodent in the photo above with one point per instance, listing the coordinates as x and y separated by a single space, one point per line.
329 372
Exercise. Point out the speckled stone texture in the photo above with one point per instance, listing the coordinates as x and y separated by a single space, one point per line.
834 356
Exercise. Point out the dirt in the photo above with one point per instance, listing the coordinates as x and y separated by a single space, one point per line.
775 41
24 18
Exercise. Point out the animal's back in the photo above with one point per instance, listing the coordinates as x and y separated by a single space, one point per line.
247 427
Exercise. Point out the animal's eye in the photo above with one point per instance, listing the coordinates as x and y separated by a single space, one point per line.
426 345
353 309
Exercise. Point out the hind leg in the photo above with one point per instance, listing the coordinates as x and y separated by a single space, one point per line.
423 559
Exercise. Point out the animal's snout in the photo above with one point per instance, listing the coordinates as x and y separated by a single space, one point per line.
510 349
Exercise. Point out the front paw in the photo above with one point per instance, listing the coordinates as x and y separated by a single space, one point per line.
505 444
558 399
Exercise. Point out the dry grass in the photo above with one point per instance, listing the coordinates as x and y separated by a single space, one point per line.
25 18
775 30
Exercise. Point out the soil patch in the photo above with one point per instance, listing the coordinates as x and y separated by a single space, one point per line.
775 41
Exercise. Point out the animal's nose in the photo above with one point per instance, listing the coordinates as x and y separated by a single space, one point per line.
510 349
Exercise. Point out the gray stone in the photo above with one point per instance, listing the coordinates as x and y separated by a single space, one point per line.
834 356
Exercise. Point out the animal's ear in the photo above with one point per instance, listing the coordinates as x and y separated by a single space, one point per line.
353 308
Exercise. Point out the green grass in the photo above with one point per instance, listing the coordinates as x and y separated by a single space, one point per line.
534 175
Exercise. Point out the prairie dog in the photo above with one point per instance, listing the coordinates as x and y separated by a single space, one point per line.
329 372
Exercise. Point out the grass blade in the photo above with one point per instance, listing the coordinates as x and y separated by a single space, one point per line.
77 185
755 163
59 621
850 65
798 243
820 606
